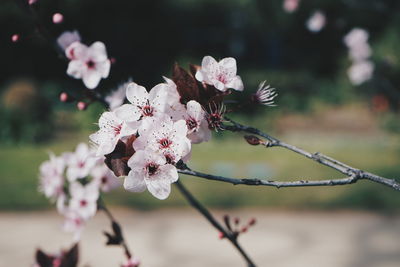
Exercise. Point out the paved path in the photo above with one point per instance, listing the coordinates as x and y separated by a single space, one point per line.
181 238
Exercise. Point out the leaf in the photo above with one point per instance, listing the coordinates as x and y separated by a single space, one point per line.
71 257
186 84
43 260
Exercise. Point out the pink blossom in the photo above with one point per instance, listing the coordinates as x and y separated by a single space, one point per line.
112 129
73 223
166 137
66 39
149 170
15 38
290 5
316 22
132 262
88 63
222 74
80 162
84 199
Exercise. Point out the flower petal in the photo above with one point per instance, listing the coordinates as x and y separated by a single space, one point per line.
137 94
91 79
134 182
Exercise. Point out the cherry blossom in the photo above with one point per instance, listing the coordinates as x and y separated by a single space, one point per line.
132 262
149 170
117 97
144 105
67 38
112 129
360 72
58 18
88 63
84 199
73 223
222 74
81 162
357 42
105 178
52 176
166 137
290 5
316 22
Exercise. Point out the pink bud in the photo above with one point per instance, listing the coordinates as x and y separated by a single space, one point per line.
58 18
31 2
15 38
63 97
81 105
221 235
252 221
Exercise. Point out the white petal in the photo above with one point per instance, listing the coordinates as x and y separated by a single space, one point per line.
158 96
91 79
76 69
170 173
134 182
76 50
199 76
236 83
127 112
103 68
228 66
97 52
137 94
159 188
108 119
195 110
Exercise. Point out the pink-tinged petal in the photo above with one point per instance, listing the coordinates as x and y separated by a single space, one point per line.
127 130
127 113
180 128
91 79
108 119
104 68
199 76
76 50
134 182
195 110
159 188
209 64
228 67
170 173
97 52
158 97
67 38
138 159
140 143
236 83
76 68
219 85
137 94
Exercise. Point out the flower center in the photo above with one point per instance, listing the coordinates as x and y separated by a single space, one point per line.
191 123
104 180
117 129
151 168
81 164
83 203
147 110
165 143
90 64
221 78
170 159
214 120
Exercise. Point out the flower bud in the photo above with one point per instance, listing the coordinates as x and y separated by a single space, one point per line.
252 140
81 105
31 2
15 38
58 18
64 97
221 235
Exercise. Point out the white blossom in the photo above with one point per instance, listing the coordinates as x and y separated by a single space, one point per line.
105 178
316 22
88 63
222 74
117 97
52 176
73 223
80 162
360 72
84 199
149 170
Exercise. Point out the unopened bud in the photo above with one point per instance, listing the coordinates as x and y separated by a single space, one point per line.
253 140
81 105
64 97
221 235
58 18
31 2
15 38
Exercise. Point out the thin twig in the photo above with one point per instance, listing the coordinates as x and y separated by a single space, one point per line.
123 243
353 174
196 204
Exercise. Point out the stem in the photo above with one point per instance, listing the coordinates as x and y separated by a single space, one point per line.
123 243
196 204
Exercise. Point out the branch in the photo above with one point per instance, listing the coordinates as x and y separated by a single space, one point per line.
196 204
353 174
118 237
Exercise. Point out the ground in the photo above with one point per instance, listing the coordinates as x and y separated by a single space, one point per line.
182 237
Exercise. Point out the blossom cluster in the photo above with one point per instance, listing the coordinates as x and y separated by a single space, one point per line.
90 64
74 181
155 130
362 68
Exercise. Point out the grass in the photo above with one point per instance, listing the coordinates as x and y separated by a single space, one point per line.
234 157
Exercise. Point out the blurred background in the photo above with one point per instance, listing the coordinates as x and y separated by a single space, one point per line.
302 54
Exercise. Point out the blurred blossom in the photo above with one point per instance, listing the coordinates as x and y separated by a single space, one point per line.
80 162
290 5
117 97
361 52
15 38
83 199
360 72
31 2
356 37
52 176
90 64
67 38
132 262
105 178
316 22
